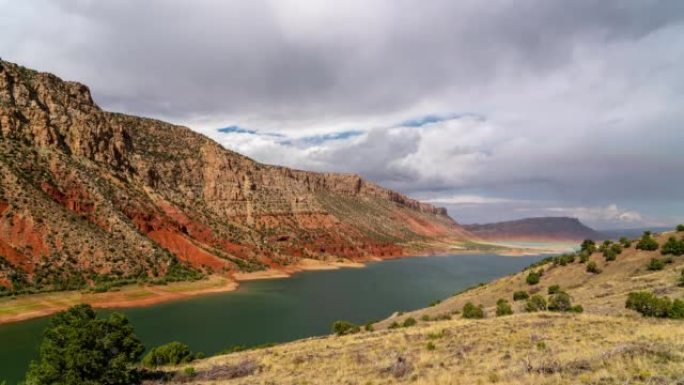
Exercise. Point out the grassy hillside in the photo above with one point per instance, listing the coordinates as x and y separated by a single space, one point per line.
607 344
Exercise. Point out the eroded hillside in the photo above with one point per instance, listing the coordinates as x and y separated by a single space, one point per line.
88 195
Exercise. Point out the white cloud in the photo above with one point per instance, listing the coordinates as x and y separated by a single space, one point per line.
584 114
469 200
610 213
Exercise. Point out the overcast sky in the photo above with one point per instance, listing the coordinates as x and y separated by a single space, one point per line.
496 109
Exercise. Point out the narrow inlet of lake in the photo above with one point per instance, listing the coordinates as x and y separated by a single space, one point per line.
281 310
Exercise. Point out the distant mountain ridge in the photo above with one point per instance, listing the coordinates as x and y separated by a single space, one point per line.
88 195
535 229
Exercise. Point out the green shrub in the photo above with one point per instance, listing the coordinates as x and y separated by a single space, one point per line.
425 318
520 295
681 279
584 257
649 305
625 242
680 228
560 302
611 253
553 289
588 246
410 321
74 338
190 371
472 312
564 259
368 327
673 247
577 309
535 303
593 268
430 346
503 308
656 264
173 353
677 309
342 328
532 278
394 325
605 245
647 242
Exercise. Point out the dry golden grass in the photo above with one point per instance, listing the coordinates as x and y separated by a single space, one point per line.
542 348
606 345
603 293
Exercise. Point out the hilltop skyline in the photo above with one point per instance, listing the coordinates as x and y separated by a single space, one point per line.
573 112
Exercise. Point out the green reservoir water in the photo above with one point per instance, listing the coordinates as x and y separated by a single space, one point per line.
284 309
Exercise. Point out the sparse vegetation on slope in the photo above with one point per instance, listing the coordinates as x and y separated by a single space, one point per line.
521 349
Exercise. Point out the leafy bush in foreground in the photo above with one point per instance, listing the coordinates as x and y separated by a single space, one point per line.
647 242
535 303
533 278
656 264
79 348
472 312
173 353
560 302
553 289
520 295
605 245
564 259
593 268
588 246
650 305
410 321
673 247
611 253
577 309
342 328
503 308
584 257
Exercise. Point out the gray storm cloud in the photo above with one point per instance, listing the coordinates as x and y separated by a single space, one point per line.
578 104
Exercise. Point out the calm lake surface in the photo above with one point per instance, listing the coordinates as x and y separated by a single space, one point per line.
284 309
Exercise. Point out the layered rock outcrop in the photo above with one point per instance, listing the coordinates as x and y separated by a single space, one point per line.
89 193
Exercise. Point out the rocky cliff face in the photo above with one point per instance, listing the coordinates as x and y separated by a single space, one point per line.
542 229
88 195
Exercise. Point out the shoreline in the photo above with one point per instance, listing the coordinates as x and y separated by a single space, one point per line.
32 306
26 307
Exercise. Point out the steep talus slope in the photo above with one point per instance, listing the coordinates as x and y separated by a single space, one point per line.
87 194
535 229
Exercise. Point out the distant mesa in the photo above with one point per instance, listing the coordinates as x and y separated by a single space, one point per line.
541 229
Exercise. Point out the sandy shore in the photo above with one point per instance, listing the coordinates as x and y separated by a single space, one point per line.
303 265
40 305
